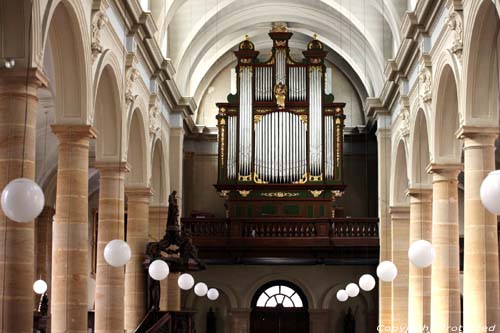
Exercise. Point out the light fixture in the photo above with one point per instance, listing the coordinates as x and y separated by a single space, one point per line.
367 282
342 295
201 289
387 271
22 200
117 253
185 281
352 290
421 253
40 287
490 192
212 294
158 270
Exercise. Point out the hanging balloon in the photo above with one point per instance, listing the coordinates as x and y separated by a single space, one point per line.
342 295
367 282
185 281
22 200
212 294
201 289
158 270
352 289
387 271
490 192
117 253
421 253
40 287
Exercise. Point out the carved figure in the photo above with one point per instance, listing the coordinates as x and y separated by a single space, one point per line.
280 91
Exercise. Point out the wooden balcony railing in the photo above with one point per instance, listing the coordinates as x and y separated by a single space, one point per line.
219 230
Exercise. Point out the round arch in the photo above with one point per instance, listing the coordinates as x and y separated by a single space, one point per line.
159 172
446 148
64 24
399 175
246 300
108 117
419 150
137 151
481 77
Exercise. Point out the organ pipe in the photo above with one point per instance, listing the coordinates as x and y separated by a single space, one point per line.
299 141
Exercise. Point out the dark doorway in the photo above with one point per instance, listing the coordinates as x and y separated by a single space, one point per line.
279 307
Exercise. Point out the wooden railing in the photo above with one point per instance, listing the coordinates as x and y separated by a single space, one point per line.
301 228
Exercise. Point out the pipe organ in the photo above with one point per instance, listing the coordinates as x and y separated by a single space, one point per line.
280 131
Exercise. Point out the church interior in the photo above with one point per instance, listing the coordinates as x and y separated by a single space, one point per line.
249 166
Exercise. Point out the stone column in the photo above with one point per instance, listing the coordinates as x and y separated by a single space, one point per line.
240 320
176 154
445 285
110 281
43 245
137 238
70 230
481 286
18 113
419 287
318 321
400 219
385 234
157 228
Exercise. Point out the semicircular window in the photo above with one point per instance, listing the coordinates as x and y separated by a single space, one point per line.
279 296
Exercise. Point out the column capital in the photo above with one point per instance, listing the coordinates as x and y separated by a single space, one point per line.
451 169
138 192
18 75
486 133
113 166
399 212
73 132
420 192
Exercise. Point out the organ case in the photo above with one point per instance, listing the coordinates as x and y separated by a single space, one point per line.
280 136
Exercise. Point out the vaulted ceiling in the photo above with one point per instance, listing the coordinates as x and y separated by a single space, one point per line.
200 35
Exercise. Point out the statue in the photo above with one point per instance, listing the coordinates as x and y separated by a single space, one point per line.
173 211
349 322
280 91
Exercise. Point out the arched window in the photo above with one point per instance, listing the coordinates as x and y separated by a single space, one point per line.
279 294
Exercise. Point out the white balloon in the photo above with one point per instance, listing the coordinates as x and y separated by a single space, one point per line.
387 271
212 294
367 282
158 270
22 200
185 281
342 295
352 289
421 253
117 253
201 289
490 192
40 287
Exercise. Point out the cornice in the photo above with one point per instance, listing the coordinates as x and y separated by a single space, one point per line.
414 25
142 25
